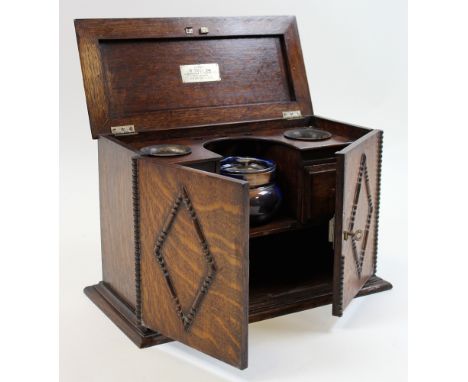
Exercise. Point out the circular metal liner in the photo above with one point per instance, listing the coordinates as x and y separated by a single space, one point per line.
307 134
165 150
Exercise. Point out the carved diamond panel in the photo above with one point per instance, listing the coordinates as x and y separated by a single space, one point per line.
186 317
359 251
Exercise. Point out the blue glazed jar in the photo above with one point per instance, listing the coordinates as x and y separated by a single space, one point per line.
264 194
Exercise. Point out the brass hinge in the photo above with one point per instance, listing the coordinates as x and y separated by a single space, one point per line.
293 114
123 130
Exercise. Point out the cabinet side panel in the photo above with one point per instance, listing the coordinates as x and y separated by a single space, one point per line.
116 203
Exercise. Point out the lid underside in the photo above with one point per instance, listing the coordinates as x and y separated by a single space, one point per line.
151 74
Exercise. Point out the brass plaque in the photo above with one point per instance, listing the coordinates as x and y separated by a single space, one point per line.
200 73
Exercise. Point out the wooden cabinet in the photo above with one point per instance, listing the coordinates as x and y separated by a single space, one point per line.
180 259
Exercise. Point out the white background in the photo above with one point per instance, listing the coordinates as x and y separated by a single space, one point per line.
29 221
355 54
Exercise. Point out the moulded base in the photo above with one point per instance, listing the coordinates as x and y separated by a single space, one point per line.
123 316
261 308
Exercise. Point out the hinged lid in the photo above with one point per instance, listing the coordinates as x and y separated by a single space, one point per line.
158 74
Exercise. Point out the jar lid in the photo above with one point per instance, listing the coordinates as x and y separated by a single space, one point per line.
246 165
256 171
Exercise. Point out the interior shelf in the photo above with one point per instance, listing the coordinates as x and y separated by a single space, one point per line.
278 225
271 303
279 300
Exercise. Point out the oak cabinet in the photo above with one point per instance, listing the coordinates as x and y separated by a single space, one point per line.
180 259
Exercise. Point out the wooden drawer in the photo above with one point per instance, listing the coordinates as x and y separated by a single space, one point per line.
318 201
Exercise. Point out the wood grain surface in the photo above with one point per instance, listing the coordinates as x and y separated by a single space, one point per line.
116 204
252 70
219 326
131 71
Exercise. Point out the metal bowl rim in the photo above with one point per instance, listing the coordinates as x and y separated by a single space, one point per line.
153 150
326 134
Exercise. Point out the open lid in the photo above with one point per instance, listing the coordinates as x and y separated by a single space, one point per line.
159 74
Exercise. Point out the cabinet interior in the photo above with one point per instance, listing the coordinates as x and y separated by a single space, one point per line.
291 257
289 272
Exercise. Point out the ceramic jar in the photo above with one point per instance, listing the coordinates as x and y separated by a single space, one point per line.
265 195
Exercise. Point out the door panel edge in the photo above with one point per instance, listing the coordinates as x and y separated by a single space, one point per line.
338 262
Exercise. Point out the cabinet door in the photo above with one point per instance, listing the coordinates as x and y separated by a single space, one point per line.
193 258
356 219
